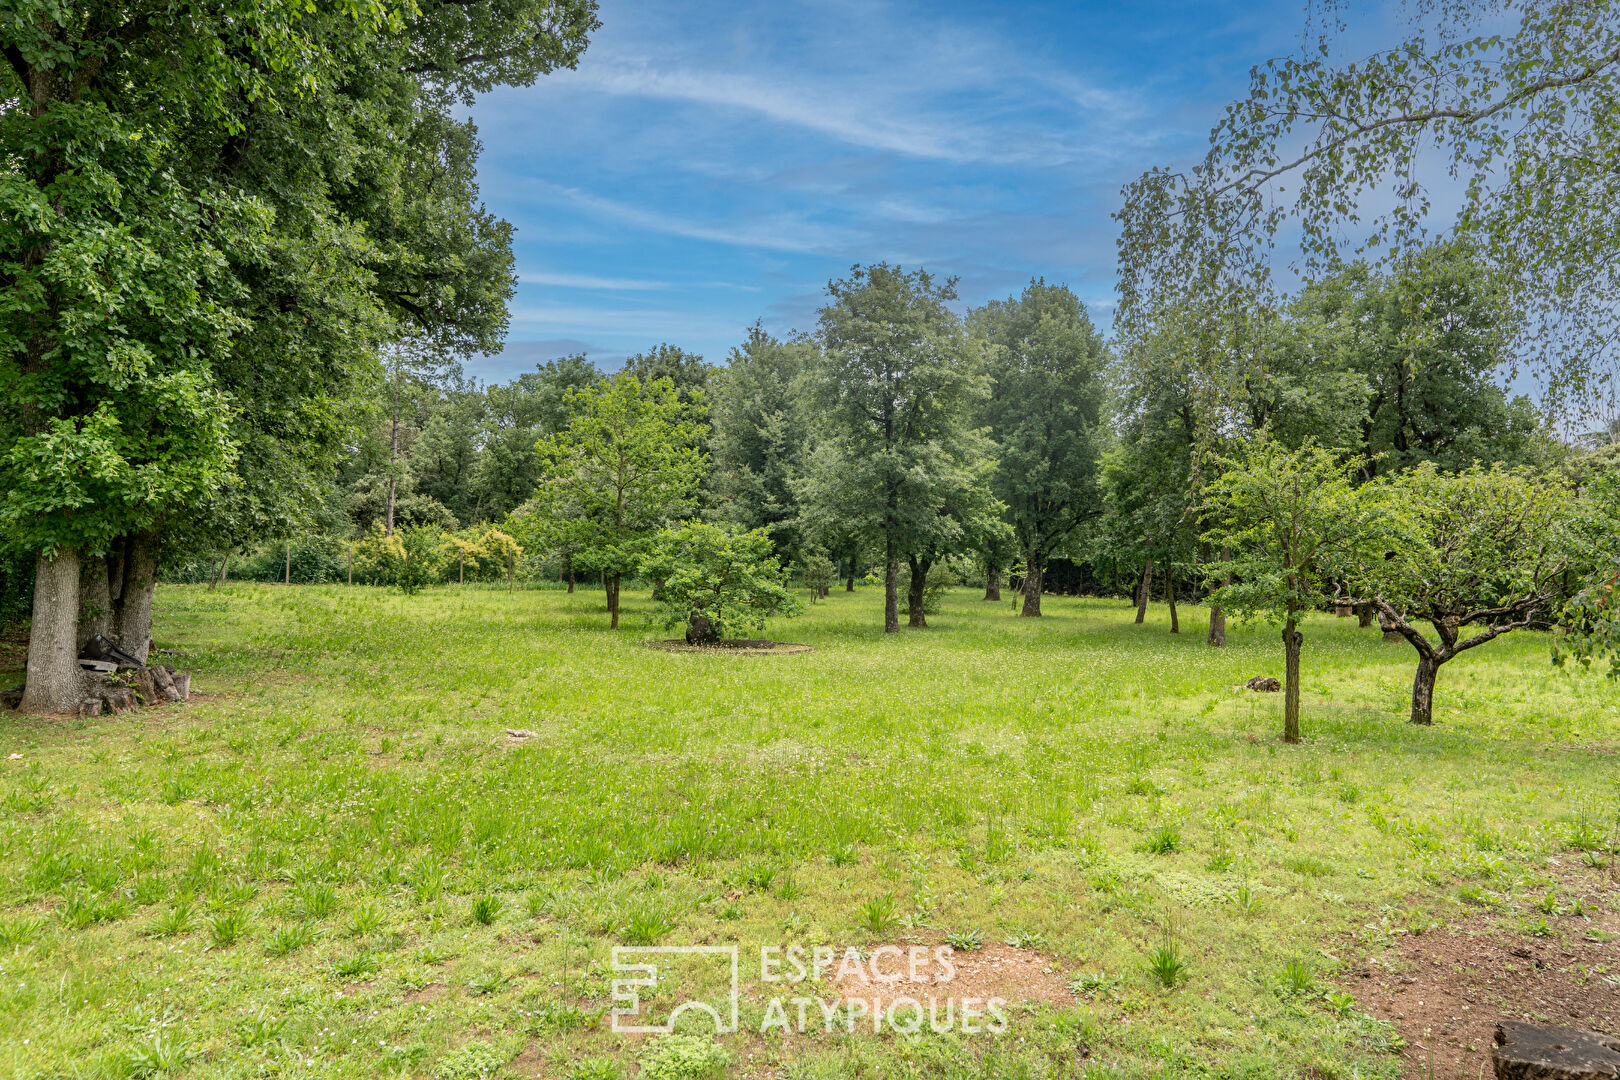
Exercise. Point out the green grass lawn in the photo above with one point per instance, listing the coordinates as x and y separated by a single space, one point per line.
335 862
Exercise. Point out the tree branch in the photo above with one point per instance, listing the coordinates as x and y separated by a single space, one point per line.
1256 177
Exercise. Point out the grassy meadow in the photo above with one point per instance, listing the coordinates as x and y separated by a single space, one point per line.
335 862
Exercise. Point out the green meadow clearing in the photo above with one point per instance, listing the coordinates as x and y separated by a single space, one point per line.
335 862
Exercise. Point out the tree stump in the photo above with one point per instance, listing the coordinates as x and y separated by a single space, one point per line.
90 706
1534 1052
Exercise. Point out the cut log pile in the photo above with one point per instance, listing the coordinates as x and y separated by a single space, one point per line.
116 682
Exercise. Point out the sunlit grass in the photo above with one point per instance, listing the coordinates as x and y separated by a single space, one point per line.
340 820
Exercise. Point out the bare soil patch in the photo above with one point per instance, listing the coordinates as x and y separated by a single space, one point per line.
429 993
993 971
738 647
1445 990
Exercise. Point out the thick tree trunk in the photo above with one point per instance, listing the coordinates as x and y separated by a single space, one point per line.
992 581
1032 587
132 611
1170 595
95 601
56 683
1143 589
1292 640
1423 689
891 588
700 631
1364 615
611 584
914 596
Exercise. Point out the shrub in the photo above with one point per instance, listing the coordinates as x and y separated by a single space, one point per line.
469 1062
683 1057
717 582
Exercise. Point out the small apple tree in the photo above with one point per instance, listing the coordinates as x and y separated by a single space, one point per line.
1289 518
1474 554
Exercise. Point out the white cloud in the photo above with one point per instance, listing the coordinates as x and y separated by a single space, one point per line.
586 281
775 232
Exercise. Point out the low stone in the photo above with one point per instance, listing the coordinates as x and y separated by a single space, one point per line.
1537 1052
182 685
1264 684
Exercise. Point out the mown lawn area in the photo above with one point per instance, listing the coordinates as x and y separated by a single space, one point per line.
335 860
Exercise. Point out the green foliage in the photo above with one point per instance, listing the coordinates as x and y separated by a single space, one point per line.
717 582
683 1057
626 465
1475 554
1167 966
1591 618
1045 362
1292 522
761 436
409 558
893 387
471 1061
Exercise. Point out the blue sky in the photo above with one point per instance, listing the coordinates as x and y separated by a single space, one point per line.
712 164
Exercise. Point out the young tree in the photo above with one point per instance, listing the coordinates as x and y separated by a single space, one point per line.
1291 520
1045 363
718 582
1474 554
894 384
624 467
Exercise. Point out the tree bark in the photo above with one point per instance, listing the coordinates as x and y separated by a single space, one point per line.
700 630
569 560
992 581
1032 586
55 682
611 583
849 584
1217 614
461 568
891 588
1364 615
132 611
95 601
393 454
917 618
1423 689
1292 640
287 580
219 578
510 570
1143 589
1170 594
